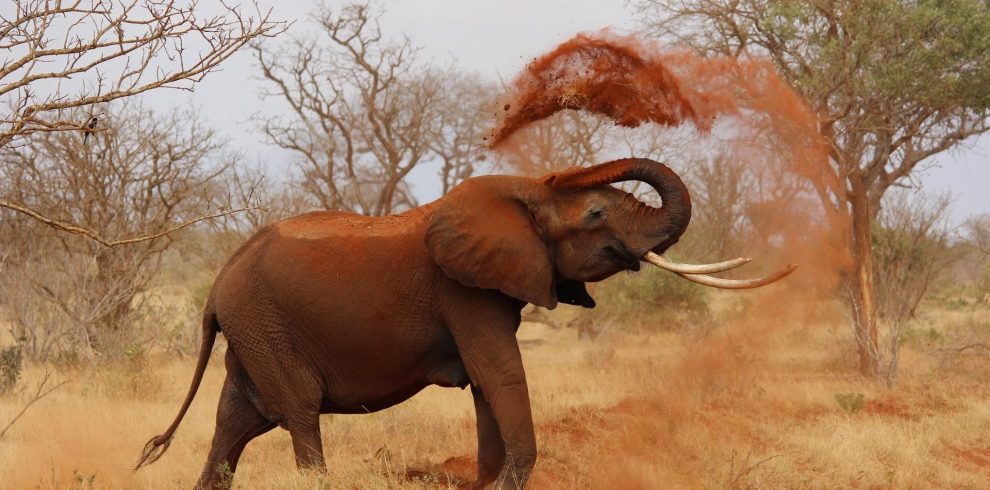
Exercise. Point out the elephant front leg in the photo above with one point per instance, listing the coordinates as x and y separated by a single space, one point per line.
491 450
510 406
494 364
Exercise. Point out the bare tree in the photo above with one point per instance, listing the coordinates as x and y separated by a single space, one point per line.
566 139
978 234
144 171
364 111
911 248
722 194
464 115
62 59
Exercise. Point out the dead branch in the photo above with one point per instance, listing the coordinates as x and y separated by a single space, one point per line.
365 112
59 225
75 54
61 57
747 470
40 393
959 350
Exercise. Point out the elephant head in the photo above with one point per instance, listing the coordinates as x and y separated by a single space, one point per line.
540 239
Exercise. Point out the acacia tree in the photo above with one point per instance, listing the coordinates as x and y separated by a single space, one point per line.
62 60
893 82
364 112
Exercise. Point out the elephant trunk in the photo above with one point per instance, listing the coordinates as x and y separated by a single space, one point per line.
659 227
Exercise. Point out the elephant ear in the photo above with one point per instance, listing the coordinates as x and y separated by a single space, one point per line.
483 237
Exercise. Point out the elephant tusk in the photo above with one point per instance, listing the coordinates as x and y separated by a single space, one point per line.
718 282
665 263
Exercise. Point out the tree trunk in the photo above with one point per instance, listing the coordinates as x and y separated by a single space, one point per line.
860 281
118 305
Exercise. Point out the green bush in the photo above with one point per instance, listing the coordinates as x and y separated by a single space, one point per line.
652 299
851 402
955 304
918 335
11 363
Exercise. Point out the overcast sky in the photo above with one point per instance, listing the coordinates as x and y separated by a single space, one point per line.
495 39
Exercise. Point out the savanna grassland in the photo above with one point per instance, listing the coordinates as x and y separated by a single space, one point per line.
867 368
761 394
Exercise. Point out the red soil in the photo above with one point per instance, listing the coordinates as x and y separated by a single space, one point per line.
458 471
888 408
973 457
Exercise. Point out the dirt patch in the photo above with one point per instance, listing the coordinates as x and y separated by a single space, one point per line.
457 472
975 458
889 408
574 428
909 407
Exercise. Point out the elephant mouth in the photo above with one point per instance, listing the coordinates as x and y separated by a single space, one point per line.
623 257
574 293
699 272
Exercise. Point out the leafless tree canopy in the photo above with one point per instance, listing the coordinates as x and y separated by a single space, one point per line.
978 234
143 172
565 139
64 55
365 113
464 119
63 60
721 189
911 245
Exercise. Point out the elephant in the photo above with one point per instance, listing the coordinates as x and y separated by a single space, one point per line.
335 312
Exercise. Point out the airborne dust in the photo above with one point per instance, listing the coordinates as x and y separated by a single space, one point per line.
741 107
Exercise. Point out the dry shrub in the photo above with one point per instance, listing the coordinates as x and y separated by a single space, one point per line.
910 249
131 376
73 298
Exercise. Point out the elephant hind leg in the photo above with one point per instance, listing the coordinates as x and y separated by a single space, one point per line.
238 421
279 382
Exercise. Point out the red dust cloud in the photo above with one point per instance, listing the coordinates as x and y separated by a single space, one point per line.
769 130
607 76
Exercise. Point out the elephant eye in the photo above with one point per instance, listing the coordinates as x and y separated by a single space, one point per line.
596 214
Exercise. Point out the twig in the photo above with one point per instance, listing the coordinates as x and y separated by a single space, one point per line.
958 350
38 395
750 468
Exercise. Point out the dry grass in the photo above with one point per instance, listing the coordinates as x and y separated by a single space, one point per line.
750 404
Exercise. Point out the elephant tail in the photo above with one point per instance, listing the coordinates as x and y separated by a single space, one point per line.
157 446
